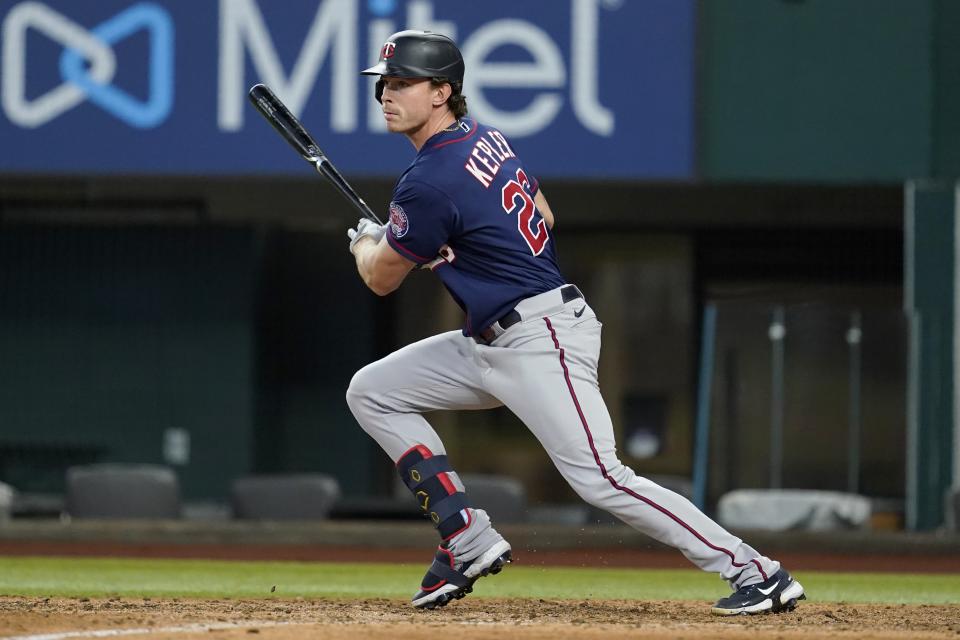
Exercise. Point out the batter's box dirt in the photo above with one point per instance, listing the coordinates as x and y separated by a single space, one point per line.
277 619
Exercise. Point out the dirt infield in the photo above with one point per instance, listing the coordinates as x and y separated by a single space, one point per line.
469 619
277 619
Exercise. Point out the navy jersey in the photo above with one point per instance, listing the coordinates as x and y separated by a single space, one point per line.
465 207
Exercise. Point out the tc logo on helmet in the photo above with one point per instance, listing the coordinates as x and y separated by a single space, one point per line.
388 49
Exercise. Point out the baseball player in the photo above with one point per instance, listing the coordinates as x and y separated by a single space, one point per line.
469 209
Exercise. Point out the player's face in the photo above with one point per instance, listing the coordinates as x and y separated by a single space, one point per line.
407 103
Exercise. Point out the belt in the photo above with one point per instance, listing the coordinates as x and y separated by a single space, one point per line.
512 317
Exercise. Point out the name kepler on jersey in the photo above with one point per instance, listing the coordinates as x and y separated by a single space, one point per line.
490 150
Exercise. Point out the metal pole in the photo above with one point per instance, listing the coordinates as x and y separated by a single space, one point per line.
777 332
956 358
731 419
912 509
854 336
704 385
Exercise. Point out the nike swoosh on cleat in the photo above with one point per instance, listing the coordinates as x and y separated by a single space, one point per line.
767 592
577 314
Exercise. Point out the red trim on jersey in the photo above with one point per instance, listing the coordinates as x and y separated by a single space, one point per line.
627 490
422 449
406 253
473 130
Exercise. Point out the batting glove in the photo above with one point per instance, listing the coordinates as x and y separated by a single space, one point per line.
366 228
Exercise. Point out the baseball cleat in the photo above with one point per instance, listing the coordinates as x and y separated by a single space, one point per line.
446 581
779 593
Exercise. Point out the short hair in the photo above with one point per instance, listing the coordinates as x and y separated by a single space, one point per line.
457 101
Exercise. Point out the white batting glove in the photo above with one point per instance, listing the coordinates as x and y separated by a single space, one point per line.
366 228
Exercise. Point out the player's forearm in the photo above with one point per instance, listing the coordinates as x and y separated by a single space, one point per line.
376 270
364 252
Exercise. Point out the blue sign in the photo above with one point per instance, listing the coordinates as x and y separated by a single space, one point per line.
583 88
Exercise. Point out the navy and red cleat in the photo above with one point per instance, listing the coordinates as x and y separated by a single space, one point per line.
446 580
779 593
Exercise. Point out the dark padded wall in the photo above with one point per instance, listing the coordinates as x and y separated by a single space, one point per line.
109 337
816 90
946 132
246 338
317 324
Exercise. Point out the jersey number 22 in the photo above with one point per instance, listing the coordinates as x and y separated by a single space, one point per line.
517 200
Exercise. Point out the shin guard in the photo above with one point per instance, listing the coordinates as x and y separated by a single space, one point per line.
429 478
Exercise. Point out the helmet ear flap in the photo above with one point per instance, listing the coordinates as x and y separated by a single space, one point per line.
379 91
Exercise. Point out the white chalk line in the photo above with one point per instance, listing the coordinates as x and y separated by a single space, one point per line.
183 628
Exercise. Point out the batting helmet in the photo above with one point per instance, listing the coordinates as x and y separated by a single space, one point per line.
418 54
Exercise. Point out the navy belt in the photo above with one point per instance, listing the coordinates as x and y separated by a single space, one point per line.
512 317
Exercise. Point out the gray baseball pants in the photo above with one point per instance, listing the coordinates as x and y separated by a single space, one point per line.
544 369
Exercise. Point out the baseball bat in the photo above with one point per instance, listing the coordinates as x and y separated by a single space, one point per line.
287 125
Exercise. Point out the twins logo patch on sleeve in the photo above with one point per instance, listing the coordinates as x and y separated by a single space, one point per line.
399 225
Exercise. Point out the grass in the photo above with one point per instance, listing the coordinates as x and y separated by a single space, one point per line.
98 577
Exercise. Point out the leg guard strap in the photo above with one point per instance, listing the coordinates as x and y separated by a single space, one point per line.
426 476
448 508
442 572
423 470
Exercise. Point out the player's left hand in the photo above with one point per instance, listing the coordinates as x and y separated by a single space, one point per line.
366 228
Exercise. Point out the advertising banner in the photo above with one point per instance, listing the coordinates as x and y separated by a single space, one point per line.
589 89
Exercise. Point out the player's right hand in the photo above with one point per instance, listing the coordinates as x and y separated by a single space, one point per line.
365 228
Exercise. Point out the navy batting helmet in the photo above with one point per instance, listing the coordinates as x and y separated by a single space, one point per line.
418 54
